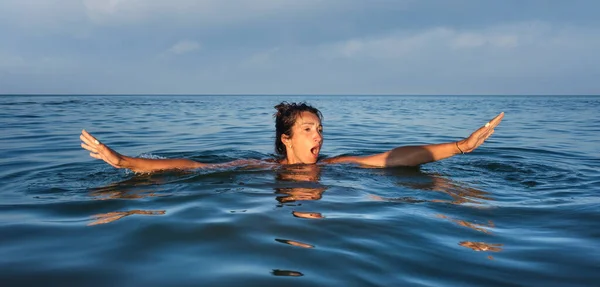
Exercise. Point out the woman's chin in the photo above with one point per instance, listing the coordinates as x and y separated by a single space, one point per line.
312 159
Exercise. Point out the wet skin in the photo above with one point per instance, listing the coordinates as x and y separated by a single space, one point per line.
303 145
306 140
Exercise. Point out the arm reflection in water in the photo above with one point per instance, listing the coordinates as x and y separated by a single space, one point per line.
295 243
413 178
460 194
474 226
139 186
279 272
108 217
482 246
132 188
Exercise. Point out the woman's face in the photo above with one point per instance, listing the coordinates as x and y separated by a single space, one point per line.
305 143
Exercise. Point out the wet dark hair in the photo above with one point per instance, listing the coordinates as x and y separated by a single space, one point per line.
285 118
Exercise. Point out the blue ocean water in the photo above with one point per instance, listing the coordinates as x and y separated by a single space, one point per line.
522 210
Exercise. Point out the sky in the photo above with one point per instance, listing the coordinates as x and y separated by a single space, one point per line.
474 47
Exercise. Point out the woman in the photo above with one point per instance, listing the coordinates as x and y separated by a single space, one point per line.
299 138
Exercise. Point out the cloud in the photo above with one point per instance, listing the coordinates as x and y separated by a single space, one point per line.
289 46
67 15
183 47
402 43
530 57
513 58
473 40
262 59
113 12
36 16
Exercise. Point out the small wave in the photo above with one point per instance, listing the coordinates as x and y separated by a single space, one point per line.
59 103
151 156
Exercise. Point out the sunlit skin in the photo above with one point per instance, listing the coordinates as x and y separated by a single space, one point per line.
303 146
305 143
417 155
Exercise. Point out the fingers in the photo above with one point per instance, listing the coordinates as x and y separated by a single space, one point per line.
483 138
90 143
98 150
486 135
480 132
87 147
87 138
484 131
495 121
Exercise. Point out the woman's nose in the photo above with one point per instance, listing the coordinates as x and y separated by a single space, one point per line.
318 137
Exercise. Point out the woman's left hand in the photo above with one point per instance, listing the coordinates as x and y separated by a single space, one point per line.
479 136
100 151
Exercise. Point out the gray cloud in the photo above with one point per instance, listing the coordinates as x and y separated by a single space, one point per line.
184 46
111 12
312 46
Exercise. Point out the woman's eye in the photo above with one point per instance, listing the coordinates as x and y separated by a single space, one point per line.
307 129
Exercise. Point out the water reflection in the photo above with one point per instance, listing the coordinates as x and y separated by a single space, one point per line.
460 194
104 218
308 215
279 272
299 182
415 179
482 246
139 186
476 246
474 226
295 243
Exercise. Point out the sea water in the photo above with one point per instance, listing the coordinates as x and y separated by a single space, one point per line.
522 210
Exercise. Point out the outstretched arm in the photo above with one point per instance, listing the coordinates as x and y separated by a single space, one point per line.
101 151
416 155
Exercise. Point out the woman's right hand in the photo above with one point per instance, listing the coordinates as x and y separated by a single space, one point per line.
99 150
479 136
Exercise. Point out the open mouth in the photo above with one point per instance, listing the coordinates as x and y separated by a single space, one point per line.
315 151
